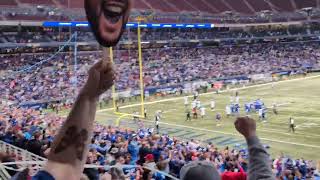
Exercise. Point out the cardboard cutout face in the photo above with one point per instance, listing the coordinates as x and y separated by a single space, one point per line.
108 19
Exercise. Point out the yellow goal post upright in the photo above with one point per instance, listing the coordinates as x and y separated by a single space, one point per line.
115 108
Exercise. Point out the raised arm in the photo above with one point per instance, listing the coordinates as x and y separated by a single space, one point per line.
259 162
68 154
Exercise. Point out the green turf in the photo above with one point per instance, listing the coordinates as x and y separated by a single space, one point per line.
300 99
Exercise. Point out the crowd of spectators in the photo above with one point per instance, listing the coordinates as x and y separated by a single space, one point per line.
60 79
29 35
34 130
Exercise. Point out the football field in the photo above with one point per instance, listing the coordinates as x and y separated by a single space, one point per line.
298 98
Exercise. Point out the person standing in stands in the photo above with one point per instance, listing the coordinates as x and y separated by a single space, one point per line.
259 159
233 170
291 125
68 154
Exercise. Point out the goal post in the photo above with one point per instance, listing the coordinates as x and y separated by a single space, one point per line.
141 84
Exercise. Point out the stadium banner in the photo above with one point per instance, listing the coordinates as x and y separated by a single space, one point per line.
234 80
133 25
261 77
281 73
217 85
34 105
189 87
163 90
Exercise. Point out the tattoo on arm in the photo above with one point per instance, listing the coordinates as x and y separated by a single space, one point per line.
73 138
80 143
66 140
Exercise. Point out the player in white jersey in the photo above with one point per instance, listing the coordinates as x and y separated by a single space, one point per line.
202 112
212 104
157 120
157 126
198 104
237 99
231 99
195 94
194 104
291 125
186 101
260 112
228 110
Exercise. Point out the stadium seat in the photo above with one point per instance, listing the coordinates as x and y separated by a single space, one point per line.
259 5
37 2
283 5
219 5
182 5
201 6
240 6
141 4
8 3
305 4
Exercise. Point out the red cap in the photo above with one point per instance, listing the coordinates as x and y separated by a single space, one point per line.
149 157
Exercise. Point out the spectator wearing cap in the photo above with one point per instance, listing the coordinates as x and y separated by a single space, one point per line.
149 165
149 161
199 170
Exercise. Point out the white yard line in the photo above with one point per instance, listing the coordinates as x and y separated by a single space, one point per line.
286 133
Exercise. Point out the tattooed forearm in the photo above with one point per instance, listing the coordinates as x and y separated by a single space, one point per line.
66 140
73 138
80 143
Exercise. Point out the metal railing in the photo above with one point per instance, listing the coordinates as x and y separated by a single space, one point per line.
21 154
35 162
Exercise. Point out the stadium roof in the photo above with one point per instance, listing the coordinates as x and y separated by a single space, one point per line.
209 6
218 8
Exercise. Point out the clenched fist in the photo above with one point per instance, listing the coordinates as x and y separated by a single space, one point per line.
101 78
246 126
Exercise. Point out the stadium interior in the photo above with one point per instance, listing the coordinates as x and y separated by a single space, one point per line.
185 71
